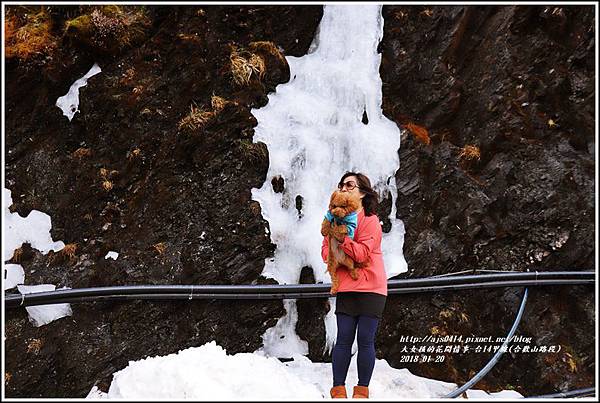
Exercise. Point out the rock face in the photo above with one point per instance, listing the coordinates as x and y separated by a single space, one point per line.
503 179
496 172
178 208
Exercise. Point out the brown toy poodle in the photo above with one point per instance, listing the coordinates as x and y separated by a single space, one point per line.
341 205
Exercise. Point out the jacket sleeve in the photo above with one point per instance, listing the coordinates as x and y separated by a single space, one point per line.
360 249
325 249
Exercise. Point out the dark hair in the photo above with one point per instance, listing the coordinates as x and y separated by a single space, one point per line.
370 200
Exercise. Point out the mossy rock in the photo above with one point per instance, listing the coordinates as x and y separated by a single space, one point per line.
108 29
80 27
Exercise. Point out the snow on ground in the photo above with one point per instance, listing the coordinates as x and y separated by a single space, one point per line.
209 373
44 314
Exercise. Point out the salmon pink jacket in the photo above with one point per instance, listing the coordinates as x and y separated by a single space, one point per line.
366 244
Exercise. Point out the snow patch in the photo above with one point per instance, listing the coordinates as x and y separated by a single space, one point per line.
13 275
96 393
279 340
208 373
111 255
43 314
69 103
33 229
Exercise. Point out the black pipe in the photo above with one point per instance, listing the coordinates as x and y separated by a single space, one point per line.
271 288
200 292
290 288
491 284
571 393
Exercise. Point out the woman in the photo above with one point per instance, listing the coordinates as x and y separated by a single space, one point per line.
359 303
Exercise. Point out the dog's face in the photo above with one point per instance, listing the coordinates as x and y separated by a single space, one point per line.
343 203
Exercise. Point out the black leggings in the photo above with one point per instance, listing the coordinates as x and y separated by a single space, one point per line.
340 358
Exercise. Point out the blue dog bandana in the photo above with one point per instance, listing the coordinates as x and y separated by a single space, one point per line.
351 221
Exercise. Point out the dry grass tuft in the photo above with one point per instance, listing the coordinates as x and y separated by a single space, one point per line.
196 119
107 185
133 154
82 152
399 15
257 63
427 12
33 38
218 103
436 330
445 314
17 255
244 64
127 76
420 132
69 250
469 152
35 345
160 247
571 363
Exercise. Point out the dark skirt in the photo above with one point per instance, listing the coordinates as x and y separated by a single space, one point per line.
355 303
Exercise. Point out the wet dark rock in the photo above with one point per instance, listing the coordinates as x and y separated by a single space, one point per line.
278 184
311 315
179 210
503 79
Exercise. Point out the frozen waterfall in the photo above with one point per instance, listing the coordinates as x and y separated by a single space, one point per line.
313 127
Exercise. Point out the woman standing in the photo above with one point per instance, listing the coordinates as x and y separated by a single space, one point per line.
359 303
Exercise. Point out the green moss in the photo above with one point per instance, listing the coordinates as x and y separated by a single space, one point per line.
80 25
109 29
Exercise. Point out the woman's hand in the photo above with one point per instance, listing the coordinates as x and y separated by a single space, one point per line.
339 232
360 248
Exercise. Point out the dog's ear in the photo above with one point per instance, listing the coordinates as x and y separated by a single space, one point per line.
332 200
353 203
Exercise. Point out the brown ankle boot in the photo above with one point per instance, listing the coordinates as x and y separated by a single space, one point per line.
360 392
338 392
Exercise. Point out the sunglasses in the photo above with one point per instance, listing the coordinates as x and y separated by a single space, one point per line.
350 185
